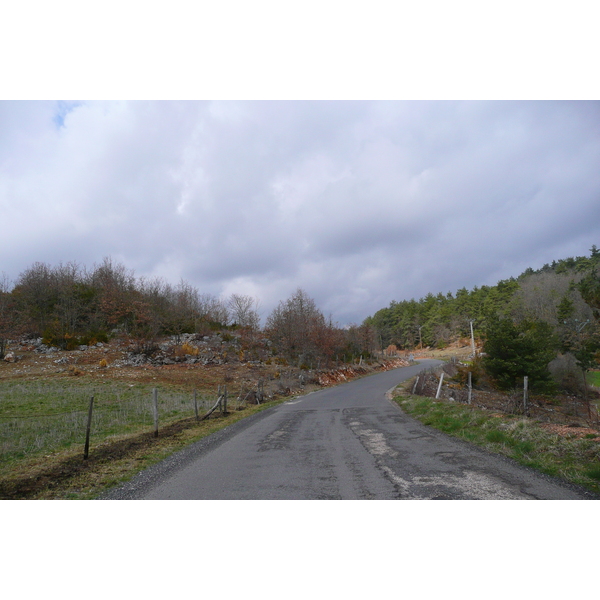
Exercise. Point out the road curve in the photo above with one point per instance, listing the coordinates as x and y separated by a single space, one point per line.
344 442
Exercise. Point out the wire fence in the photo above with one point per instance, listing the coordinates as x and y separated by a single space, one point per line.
431 383
29 427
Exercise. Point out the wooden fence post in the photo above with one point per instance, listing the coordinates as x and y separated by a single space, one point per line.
155 410
86 449
196 405
258 392
217 404
525 386
225 401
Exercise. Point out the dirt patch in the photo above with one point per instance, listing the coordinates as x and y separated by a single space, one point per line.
335 376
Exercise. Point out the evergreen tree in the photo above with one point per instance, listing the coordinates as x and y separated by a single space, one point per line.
589 286
514 351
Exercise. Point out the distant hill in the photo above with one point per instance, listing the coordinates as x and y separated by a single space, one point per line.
552 294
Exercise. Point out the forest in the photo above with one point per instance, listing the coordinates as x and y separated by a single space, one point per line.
524 323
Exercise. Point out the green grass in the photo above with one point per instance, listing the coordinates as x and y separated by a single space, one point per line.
64 475
576 460
593 378
41 417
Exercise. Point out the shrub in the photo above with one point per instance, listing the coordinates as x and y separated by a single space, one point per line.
94 337
189 349
475 367
566 373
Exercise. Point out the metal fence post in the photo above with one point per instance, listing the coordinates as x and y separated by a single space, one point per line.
470 387
440 386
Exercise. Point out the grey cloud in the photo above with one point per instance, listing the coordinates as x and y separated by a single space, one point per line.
357 202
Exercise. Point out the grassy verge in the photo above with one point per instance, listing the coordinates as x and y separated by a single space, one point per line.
593 378
574 459
65 475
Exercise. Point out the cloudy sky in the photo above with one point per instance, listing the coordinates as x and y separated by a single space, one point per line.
296 178
357 202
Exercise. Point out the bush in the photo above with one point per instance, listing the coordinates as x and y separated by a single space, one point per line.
64 341
68 341
93 338
186 350
567 374
475 367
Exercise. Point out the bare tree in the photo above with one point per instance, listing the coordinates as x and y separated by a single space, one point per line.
297 327
116 289
212 311
182 309
540 295
36 291
244 311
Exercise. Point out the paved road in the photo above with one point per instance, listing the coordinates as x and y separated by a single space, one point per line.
346 442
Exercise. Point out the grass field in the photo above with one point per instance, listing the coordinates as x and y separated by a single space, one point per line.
574 459
40 417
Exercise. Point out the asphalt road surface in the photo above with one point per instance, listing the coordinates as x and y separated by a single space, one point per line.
344 442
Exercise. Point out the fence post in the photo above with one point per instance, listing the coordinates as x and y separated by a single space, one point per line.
470 387
440 386
86 449
155 410
196 405
415 386
225 401
525 386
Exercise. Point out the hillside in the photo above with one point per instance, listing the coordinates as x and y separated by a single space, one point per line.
552 294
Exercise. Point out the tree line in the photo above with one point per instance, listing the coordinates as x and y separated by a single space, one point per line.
525 322
69 305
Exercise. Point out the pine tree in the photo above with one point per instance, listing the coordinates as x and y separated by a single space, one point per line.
515 351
